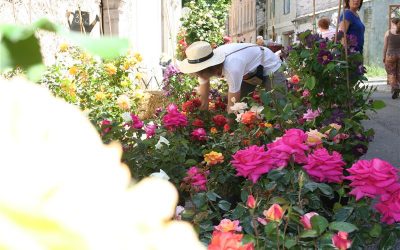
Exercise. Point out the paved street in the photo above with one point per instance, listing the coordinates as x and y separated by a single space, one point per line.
386 123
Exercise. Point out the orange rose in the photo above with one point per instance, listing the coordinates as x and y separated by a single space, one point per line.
274 213
248 118
213 158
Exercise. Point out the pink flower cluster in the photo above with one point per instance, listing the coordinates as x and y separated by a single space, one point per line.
150 130
373 178
325 167
136 122
251 162
199 134
196 178
174 119
291 144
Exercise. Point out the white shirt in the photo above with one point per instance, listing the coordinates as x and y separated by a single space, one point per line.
244 61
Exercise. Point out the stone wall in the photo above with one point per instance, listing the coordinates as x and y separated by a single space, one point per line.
26 12
304 7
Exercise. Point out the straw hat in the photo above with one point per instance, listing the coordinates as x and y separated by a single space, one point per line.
200 55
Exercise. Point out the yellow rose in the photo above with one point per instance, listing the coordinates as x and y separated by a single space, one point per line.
314 137
124 102
138 76
213 158
110 69
125 84
138 57
63 47
73 70
99 96
268 125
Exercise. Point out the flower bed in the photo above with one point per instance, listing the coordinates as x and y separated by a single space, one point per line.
282 171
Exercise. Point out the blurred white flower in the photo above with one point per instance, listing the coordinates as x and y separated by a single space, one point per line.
161 175
126 116
161 141
258 110
239 107
70 191
178 211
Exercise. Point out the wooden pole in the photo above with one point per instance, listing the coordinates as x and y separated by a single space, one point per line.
338 20
109 17
314 19
347 58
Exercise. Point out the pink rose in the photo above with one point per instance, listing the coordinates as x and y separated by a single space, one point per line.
306 220
290 145
311 114
341 241
199 134
227 225
136 122
106 126
150 130
251 201
325 167
389 207
306 93
370 178
340 137
251 162
174 119
196 178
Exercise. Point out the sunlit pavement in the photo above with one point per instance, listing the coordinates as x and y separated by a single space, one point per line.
386 123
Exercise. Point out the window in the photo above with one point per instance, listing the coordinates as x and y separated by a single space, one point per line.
286 7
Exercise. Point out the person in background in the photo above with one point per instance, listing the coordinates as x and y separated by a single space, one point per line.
352 24
243 65
260 41
391 57
324 28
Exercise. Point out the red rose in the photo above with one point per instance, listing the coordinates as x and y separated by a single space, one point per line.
219 120
198 123
295 79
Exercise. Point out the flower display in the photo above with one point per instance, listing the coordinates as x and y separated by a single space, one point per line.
251 162
219 120
227 225
389 206
311 114
196 178
274 213
370 178
161 175
239 107
251 201
305 220
213 158
325 167
199 134
191 105
228 241
341 241
174 119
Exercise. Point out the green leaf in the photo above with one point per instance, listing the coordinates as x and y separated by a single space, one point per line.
212 196
325 189
224 205
378 104
342 226
376 230
47 25
243 195
105 47
276 174
309 233
190 162
270 229
265 98
199 199
311 186
388 243
305 54
289 243
343 213
310 83
319 223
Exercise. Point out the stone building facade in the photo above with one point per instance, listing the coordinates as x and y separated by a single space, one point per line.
280 14
150 25
242 21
